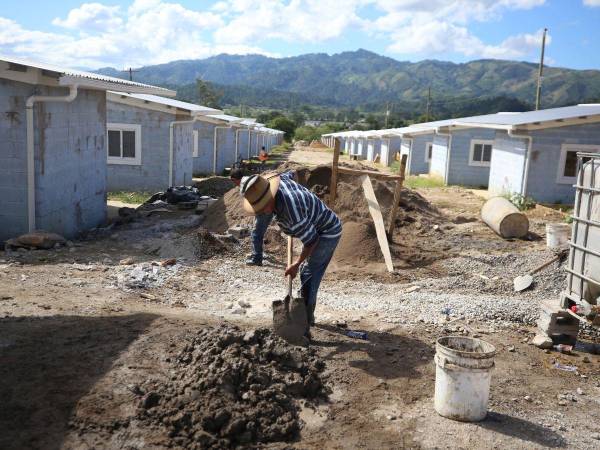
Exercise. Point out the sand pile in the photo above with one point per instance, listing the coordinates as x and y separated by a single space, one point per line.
214 186
317 144
233 389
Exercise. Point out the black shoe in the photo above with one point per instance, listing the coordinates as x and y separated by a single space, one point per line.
252 262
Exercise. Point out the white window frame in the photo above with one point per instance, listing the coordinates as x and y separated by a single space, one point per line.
195 137
137 129
427 158
483 142
564 149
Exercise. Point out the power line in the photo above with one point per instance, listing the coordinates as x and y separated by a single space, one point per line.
131 72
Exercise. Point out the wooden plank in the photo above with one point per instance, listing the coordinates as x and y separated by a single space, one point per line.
397 193
371 173
375 211
334 172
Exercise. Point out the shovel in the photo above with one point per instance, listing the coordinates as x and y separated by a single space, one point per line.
523 282
289 315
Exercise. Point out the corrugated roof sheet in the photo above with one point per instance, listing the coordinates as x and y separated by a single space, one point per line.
226 118
198 109
118 83
532 117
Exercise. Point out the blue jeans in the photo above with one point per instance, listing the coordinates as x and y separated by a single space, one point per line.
261 223
313 269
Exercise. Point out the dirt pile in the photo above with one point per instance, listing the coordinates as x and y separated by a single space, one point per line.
231 388
415 240
214 186
317 144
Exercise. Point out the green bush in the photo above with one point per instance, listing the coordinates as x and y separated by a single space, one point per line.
522 202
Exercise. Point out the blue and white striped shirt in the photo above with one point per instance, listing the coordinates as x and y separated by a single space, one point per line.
301 214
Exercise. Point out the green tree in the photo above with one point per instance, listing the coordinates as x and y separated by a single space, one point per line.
208 95
267 116
284 124
306 133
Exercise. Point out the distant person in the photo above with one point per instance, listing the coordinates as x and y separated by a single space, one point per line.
263 157
261 223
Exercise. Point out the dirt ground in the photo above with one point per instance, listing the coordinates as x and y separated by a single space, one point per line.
77 337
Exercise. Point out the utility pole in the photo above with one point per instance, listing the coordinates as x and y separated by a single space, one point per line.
538 93
131 72
428 113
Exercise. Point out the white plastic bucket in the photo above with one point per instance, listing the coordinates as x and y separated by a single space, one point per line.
557 234
462 377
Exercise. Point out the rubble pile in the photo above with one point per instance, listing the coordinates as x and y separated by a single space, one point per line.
144 275
231 388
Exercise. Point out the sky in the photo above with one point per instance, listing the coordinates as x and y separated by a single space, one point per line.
134 33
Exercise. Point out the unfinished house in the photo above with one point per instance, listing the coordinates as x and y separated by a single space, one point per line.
535 152
151 141
53 146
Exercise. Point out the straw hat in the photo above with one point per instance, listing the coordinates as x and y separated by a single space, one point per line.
258 192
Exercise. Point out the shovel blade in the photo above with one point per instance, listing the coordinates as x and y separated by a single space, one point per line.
289 320
523 282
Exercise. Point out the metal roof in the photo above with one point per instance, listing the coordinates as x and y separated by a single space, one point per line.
226 118
510 120
191 107
68 77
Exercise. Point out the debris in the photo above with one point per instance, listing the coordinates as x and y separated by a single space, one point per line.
239 231
357 334
391 417
340 323
148 296
580 391
586 359
38 239
168 262
504 218
511 348
127 261
528 398
565 367
412 289
542 341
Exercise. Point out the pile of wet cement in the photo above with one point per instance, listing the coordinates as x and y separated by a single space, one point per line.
231 388
358 247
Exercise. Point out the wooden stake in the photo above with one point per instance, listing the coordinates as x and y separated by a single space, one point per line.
397 192
375 211
334 172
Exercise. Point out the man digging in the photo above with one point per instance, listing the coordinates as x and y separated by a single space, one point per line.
301 214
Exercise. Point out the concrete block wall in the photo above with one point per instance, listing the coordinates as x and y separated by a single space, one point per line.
542 181
203 163
153 172
70 160
13 158
508 160
243 144
460 171
418 164
439 155
225 149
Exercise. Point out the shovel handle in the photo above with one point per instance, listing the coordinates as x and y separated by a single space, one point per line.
543 266
290 257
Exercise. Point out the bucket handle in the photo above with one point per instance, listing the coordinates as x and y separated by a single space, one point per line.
444 364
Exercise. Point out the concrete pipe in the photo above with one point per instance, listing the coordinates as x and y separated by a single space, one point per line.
504 218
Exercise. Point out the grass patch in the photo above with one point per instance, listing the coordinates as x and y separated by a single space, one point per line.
129 197
414 182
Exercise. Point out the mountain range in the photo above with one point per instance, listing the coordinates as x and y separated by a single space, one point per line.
366 80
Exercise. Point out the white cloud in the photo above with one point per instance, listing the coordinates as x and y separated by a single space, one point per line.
148 32
438 27
591 2
293 21
91 17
